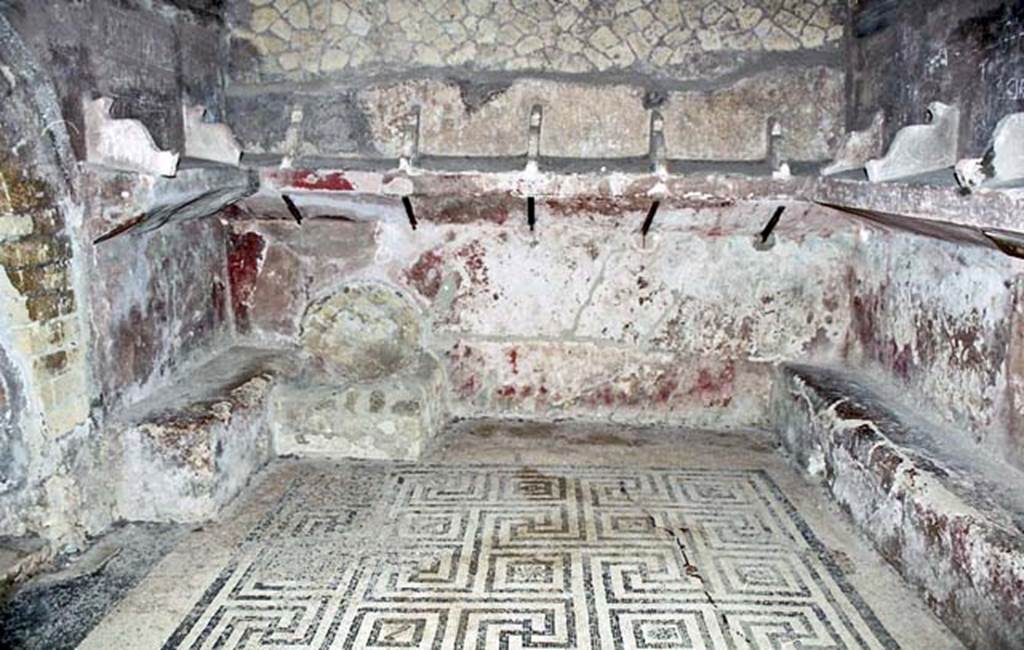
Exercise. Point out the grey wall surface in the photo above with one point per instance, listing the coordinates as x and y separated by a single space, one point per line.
968 53
145 55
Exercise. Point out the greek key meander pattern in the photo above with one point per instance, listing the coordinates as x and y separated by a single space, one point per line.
379 555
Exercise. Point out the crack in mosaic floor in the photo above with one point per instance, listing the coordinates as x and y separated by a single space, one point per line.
385 555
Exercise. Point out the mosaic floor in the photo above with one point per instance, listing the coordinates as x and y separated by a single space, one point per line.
360 554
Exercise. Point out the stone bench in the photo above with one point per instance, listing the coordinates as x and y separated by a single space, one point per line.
360 385
388 418
948 519
188 450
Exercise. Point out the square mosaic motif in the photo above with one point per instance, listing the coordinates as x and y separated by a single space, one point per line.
385 555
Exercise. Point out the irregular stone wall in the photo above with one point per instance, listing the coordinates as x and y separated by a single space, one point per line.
582 318
304 39
36 255
317 78
45 437
938 318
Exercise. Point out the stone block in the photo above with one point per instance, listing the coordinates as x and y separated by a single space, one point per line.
15 226
39 279
66 398
207 141
488 122
731 123
1003 162
34 251
47 306
920 148
470 119
858 147
390 418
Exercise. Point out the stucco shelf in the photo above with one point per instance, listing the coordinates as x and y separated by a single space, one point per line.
122 202
942 211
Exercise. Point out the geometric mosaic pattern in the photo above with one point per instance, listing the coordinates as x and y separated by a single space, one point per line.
390 555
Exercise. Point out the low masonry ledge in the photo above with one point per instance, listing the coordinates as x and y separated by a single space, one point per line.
950 521
360 191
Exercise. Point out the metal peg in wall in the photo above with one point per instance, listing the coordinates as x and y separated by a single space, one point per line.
649 221
764 239
409 214
292 208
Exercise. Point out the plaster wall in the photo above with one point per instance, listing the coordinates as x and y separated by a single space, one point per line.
167 310
584 317
939 318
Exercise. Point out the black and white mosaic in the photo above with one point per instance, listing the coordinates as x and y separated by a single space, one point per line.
385 555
